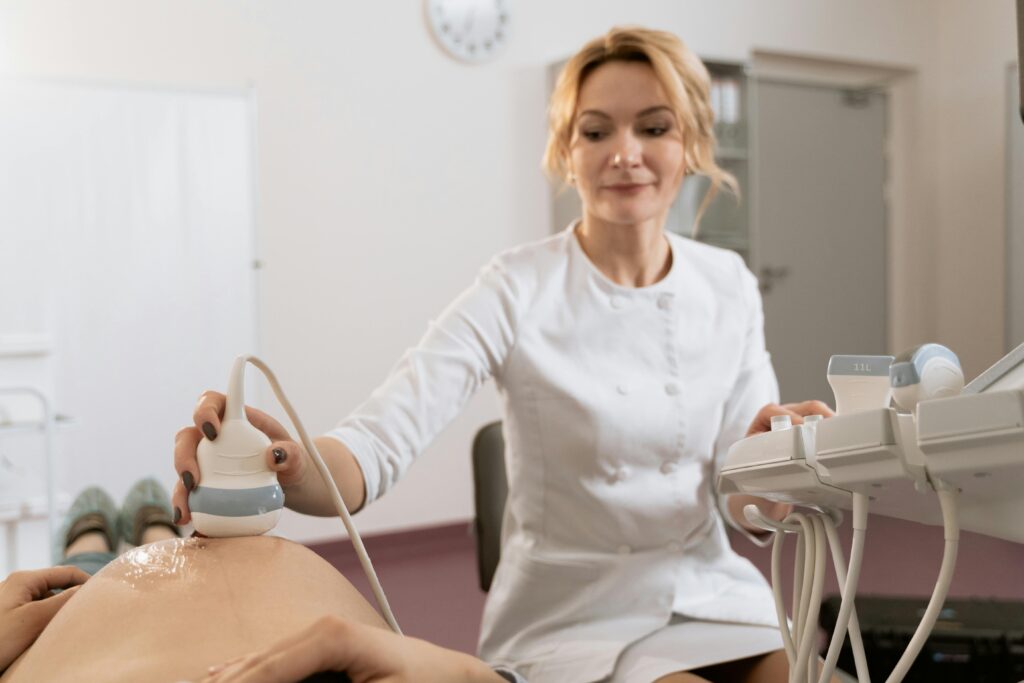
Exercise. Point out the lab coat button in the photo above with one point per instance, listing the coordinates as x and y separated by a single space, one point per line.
617 302
622 389
624 550
671 388
668 467
665 302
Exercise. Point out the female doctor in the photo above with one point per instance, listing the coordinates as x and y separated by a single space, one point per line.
628 360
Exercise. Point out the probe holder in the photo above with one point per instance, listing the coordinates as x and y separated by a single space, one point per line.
975 442
874 452
774 465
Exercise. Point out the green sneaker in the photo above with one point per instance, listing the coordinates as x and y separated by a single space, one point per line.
146 504
92 510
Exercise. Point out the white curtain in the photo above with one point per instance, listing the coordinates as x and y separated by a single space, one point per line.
126 236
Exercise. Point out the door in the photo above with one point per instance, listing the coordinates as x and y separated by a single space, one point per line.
820 227
1015 214
127 241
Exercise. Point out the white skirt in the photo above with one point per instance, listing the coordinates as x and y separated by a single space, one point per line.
685 644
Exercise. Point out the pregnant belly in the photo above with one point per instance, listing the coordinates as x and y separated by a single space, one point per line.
169 610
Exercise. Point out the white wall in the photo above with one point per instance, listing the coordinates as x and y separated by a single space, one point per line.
389 173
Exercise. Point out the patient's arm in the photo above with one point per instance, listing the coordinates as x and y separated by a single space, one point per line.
170 610
366 653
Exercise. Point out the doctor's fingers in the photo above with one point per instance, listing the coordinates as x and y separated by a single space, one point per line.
186 441
210 409
179 501
288 459
185 464
806 408
763 420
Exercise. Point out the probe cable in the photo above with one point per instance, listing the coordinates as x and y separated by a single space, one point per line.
814 530
810 599
859 657
791 635
808 569
951 531
849 592
332 488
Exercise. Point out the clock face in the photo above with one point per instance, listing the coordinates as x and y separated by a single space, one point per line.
470 30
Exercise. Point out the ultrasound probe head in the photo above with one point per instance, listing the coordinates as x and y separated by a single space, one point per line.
859 382
238 493
925 372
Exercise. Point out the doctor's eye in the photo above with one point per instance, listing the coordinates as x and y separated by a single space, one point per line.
655 129
592 135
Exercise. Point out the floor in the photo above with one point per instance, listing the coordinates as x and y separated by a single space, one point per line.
430 575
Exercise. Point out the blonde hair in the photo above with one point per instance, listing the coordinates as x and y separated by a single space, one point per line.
680 72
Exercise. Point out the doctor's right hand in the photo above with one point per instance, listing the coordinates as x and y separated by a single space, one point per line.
284 455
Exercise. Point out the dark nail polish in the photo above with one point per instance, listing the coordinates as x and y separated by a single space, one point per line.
209 431
177 515
188 480
279 455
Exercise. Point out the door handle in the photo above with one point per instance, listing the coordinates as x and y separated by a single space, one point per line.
770 276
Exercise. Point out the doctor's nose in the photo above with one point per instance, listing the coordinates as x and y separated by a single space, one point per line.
628 154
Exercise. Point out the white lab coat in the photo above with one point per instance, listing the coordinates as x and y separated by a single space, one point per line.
619 404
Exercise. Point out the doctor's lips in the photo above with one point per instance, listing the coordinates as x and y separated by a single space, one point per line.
626 188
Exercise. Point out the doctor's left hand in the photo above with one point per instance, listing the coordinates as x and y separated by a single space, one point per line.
26 606
367 654
797 412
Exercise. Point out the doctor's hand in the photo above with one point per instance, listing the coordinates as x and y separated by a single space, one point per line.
284 455
27 606
762 422
367 654
796 411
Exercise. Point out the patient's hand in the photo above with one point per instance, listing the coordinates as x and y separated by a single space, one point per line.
26 606
366 653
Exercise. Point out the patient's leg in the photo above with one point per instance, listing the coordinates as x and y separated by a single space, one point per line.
90 552
169 610
89 542
93 526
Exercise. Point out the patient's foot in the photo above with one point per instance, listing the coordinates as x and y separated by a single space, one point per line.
146 514
90 525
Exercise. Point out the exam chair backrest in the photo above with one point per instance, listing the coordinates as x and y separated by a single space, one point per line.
490 489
